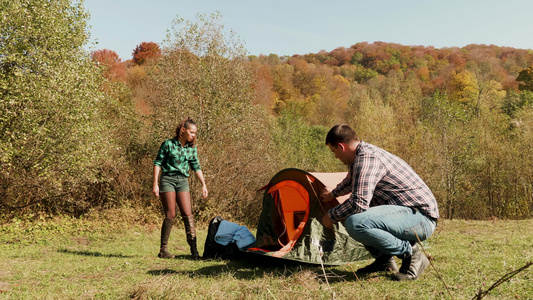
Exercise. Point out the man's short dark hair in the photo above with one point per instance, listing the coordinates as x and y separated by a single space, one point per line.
341 134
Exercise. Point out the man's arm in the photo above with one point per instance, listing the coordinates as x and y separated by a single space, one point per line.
367 172
344 187
327 222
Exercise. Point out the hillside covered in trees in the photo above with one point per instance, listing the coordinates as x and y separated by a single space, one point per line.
79 131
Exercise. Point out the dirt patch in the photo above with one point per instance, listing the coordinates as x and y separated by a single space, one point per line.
4 287
80 240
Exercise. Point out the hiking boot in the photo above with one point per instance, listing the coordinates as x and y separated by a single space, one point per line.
190 232
194 251
163 253
165 234
383 262
412 265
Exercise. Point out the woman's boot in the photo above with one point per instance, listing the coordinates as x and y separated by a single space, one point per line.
165 234
190 231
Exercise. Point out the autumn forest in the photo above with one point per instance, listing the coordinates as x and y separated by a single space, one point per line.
79 131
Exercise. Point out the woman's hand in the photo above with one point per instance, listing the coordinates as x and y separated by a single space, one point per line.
155 191
204 191
200 176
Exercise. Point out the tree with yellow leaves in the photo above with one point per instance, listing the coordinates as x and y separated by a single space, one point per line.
463 87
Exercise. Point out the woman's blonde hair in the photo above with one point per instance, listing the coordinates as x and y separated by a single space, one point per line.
186 123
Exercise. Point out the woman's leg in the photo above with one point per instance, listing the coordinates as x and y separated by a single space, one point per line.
184 204
168 200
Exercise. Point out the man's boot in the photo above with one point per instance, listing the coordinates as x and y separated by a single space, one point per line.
165 234
384 262
190 231
412 265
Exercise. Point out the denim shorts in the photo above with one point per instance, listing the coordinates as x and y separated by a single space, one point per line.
173 183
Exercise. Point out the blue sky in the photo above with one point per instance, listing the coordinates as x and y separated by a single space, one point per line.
301 27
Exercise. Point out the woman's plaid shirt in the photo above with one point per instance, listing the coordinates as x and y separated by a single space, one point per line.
173 158
378 177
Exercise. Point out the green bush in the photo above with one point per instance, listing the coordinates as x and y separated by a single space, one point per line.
302 146
52 136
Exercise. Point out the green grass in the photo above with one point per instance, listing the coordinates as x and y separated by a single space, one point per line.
97 258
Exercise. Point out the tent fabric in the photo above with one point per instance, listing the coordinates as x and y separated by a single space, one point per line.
290 225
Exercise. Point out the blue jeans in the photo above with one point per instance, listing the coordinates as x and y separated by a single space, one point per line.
389 229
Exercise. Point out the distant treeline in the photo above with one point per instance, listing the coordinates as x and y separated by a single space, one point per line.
461 116
79 132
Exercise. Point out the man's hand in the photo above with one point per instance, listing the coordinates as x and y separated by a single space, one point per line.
325 195
327 221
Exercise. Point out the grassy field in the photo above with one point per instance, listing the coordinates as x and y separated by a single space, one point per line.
109 258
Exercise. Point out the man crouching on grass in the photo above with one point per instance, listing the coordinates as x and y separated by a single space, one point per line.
390 208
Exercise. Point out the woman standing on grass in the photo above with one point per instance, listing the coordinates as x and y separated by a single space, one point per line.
173 160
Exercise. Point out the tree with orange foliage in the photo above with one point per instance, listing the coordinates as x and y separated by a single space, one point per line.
145 51
342 55
113 65
264 85
105 56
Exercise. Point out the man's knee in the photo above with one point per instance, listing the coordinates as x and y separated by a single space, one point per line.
356 224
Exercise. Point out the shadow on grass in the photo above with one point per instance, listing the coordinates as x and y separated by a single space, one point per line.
183 256
162 272
254 267
241 269
92 253
352 276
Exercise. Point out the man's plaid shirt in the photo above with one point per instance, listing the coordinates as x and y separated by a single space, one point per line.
174 159
378 177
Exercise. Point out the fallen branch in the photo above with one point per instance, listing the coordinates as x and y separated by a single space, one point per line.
324 270
505 278
434 268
